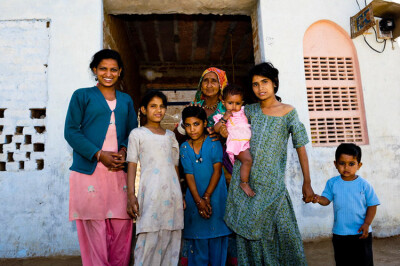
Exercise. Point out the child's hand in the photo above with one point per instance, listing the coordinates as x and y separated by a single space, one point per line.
364 229
132 207
227 114
316 198
247 189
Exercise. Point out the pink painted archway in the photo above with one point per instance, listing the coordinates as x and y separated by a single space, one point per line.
334 90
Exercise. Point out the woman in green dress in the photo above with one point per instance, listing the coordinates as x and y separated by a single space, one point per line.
266 226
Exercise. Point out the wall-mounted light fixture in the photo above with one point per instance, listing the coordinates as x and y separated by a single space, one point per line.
388 14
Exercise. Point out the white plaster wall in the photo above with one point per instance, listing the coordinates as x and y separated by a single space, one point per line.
34 204
283 26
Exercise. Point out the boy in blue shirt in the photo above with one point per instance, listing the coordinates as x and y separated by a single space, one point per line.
354 205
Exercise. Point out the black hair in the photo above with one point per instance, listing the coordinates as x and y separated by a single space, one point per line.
150 94
194 111
348 149
232 90
107 54
267 70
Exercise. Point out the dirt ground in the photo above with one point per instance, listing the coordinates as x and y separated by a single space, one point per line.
318 253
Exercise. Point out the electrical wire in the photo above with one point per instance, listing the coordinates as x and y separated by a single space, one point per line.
384 45
376 35
358 5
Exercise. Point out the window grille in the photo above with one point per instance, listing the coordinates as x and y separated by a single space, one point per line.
334 93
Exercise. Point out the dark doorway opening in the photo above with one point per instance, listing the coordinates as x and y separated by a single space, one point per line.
169 52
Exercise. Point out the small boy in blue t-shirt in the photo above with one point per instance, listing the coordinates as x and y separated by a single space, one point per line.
354 205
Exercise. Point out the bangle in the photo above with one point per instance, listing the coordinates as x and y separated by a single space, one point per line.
198 203
206 196
98 155
180 128
244 182
223 120
123 148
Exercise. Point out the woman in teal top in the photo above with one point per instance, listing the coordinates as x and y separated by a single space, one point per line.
266 226
86 125
99 120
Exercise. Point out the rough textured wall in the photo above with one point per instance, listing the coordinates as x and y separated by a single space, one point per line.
282 41
228 7
24 94
256 35
34 202
115 37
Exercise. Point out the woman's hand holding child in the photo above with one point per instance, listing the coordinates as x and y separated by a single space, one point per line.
308 193
213 135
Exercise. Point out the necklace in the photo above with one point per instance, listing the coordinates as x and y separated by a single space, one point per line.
213 107
199 159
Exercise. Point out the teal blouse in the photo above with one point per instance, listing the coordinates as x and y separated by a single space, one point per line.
87 121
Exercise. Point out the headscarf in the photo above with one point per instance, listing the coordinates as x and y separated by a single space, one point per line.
222 79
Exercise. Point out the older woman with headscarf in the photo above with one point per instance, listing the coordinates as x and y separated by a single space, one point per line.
208 95
212 83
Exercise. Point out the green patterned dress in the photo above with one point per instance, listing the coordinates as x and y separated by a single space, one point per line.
266 226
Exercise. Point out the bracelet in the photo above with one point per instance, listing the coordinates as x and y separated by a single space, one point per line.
223 120
123 148
98 155
206 196
180 128
244 182
198 203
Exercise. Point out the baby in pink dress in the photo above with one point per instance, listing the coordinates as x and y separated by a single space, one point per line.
239 133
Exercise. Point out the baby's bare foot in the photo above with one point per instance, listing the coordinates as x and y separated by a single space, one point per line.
247 189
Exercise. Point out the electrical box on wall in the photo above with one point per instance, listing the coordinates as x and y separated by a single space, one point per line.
382 30
384 14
